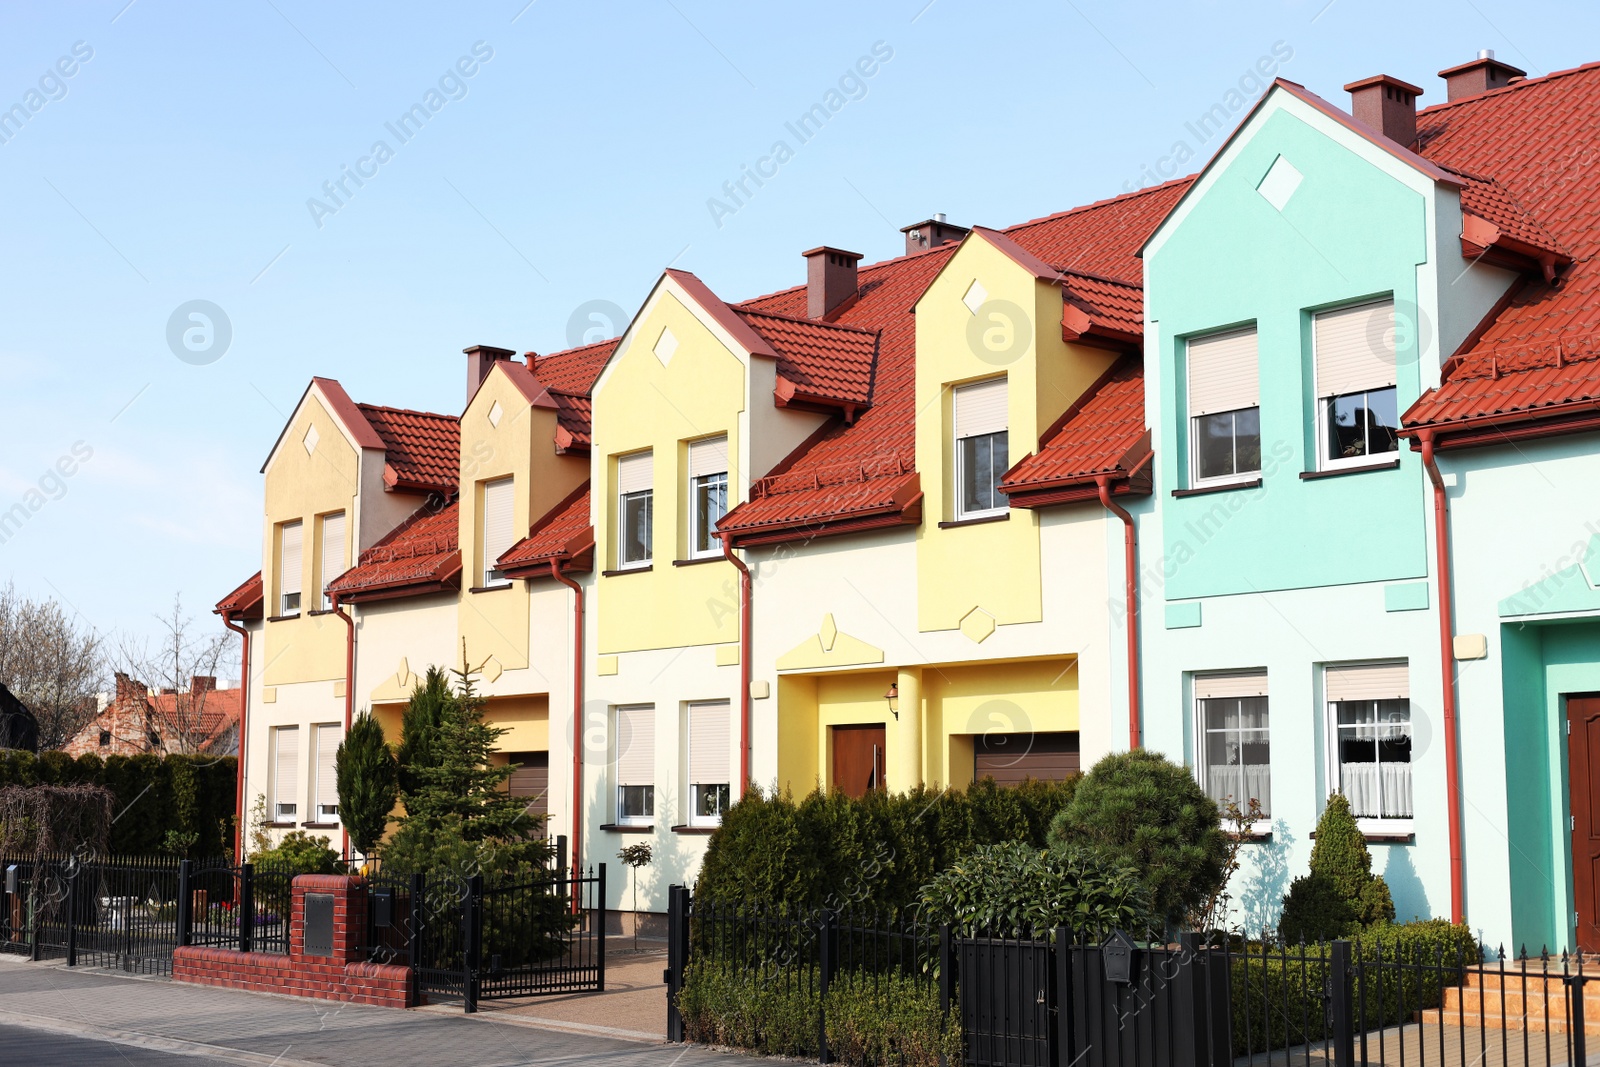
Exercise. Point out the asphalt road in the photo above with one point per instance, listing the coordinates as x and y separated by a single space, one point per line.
36 1048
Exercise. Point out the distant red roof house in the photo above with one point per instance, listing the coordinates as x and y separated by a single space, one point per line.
201 719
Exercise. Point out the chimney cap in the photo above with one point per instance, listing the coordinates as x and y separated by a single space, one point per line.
1485 61
489 351
820 249
1387 80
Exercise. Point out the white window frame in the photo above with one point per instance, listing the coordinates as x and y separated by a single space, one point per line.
326 574
648 559
1395 826
1321 399
285 610
695 819
713 547
649 818
1193 418
318 801
492 578
279 815
1202 762
960 510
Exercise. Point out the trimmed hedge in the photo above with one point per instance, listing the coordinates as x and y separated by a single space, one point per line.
828 850
871 1021
191 795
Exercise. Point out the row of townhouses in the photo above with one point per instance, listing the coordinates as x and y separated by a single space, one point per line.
1286 469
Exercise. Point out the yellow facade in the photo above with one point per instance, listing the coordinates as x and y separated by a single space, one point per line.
642 403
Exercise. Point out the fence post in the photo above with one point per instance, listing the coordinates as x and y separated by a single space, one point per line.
1344 1052
1575 1005
472 928
72 915
600 941
247 907
824 977
674 976
185 904
1066 1052
414 936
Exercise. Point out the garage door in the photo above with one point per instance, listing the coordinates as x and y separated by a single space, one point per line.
1010 758
531 779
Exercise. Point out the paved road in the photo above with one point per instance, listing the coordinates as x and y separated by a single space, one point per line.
49 1014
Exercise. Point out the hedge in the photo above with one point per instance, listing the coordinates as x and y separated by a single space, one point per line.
192 795
871 1020
828 850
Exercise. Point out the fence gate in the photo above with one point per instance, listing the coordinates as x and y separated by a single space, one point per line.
439 921
1008 1002
541 934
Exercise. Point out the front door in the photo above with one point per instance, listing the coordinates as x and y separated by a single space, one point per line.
857 759
1583 777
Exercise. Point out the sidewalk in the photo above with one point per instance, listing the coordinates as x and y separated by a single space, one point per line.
260 1030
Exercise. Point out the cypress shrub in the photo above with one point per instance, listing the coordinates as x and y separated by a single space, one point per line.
1340 895
365 771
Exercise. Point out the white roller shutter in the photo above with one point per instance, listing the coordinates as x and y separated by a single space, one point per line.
1368 681
332 547
1233 684
980 408
499 512
636 744
708 457
1223 372
708 743
290 558
286 768
327 779
636 472
1355 349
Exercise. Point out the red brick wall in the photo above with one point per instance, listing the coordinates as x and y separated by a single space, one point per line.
343 976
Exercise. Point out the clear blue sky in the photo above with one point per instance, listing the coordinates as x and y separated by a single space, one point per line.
176 163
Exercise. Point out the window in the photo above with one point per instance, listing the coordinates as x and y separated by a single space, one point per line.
635 513
105 737
981 448
289 567
498 524
331 561
708 494
1369 711
1235 750
635 764
1224 407
285 772
709 792
325 803
1357 410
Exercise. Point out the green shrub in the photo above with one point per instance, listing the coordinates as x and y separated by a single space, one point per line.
870 1020
1340 896
829 850
1143 811
1009 889
297 852
365 773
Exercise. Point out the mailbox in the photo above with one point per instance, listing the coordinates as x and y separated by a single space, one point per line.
11 879
318 938
382 908
1119 957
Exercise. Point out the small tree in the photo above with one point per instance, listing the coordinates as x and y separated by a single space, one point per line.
366 774
1143 811
635 856
419 732
1340 895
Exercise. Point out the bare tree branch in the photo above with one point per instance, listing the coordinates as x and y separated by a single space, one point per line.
181 666
50 664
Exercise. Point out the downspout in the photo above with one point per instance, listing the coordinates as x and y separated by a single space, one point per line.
244 705
577 711
745 592
349 688
1447 672
1130 563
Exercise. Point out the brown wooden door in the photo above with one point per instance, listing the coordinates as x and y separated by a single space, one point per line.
857 759
1583 777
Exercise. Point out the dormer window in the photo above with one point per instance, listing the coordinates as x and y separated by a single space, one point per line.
981 448
499 522
1224 408
1357 408
635 510
290 558
708 494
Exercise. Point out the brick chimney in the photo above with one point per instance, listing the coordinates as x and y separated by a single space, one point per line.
480 360
128 689
830 279
1386 105
1482 74
931 233
201 684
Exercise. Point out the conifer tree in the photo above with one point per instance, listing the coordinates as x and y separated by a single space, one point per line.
365 771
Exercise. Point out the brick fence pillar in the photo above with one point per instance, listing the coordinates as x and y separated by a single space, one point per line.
349 917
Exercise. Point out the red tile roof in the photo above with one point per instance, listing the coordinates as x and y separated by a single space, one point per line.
1537 356
1093 307
1104 434
562 535
819 362
421 555
569 377
244 602
422 450
853 476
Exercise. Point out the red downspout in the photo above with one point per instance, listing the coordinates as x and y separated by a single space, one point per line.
349 683
1447 671
244 705
1130 552
577 711
744 660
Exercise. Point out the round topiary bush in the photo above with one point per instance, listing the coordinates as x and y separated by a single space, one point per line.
1140 810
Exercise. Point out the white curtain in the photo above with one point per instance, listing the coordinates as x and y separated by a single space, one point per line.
1377 790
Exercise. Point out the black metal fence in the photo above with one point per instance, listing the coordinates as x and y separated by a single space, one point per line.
761 980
